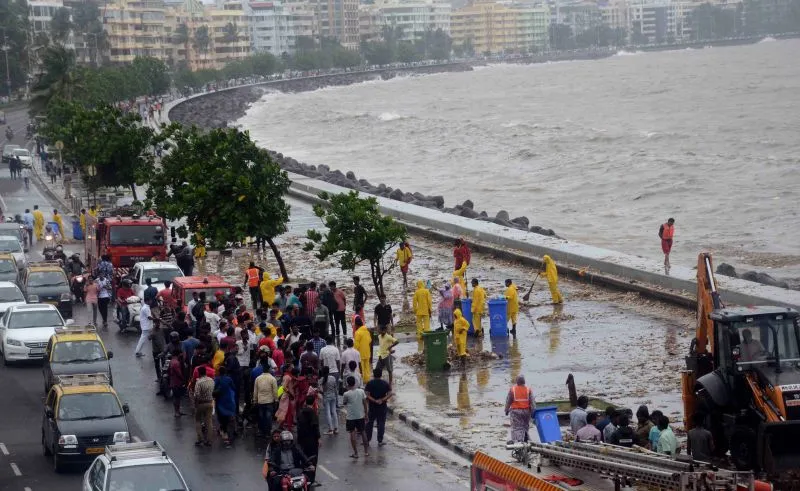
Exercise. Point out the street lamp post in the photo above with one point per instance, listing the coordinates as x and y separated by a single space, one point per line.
8 70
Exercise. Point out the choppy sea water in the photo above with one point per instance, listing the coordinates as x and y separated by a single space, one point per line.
600 151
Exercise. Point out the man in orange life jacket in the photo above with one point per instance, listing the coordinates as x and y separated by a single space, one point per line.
667 232
252 279
520 405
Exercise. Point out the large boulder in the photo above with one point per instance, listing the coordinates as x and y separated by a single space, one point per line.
503 215
351 175
522 221
468 204
763 278
408 198
726 269
439 200
396 194
469 213
323 169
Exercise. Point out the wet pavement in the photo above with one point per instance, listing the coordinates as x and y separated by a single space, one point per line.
405 463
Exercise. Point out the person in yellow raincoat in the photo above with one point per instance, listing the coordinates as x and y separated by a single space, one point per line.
57 218
199 246
512 305
423 306
38 222
552 279
83 221
93 211
460 328
403 258
461 274
478 306
362 342
268 289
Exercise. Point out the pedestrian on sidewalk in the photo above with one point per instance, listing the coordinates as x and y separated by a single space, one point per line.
624 435
340 324
203 406
26 177
378 391
589 433
666 232
667 443
578 417
643 427
520 404
252 278
700 442
383 315
308 434
225 404
67 184
460 330
330 357
445 307
355 403
51 172
90 293
363 344
329 387
403 258
265 395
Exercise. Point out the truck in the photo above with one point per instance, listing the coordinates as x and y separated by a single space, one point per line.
126 237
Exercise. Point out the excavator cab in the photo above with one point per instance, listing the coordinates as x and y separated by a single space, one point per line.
743 373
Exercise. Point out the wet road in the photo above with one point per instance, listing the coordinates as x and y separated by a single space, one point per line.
405 463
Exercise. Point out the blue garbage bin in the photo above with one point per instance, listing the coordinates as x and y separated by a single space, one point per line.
77 233
497 317
466 310
546 419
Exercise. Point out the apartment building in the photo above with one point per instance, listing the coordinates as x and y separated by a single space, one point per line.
659 21
370 23
184 46
338 19
135 28
268 23
229 32
501 28
414 19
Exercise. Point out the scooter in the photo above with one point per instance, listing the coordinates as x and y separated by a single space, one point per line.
78 283
134 305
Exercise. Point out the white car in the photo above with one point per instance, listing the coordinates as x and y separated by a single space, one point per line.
12 245
10 296
157 272
8 150
23 155
134 466
26 329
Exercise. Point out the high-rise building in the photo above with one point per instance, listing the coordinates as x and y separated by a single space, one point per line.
370 23
413 19
135 28
229 31
338 19
184 18
494 28
658 21
268 23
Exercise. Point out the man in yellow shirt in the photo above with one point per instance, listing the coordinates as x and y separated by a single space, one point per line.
362 342
423 306
478 306
386 344
403 258
512 305
57 218
83 221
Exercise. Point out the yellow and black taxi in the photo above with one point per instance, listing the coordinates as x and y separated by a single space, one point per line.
46 282
74 350
82 414
8 268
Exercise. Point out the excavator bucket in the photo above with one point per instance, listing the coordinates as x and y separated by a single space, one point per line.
778 449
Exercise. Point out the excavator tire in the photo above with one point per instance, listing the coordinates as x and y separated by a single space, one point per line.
743 447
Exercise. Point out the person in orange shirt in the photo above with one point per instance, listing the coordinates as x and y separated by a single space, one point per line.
520 405
667 232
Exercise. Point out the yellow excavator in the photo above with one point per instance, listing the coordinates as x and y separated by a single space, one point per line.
743 376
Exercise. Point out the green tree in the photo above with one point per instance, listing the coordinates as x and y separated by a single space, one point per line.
61 25
202 39
406 53
153 73
357 232
561 37
230 33
14 27
182 37
225 187
59 78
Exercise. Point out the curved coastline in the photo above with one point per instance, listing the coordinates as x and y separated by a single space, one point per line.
218 109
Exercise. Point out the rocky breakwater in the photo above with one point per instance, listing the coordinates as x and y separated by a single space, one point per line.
218 109
726 269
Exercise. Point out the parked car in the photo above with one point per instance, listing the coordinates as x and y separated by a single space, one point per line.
10 295
26 329
8 151
8 268
12 245
23 155
144 463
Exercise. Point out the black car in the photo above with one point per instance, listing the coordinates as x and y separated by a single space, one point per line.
46 282
82 414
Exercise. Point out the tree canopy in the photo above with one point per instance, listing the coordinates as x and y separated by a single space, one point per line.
357 232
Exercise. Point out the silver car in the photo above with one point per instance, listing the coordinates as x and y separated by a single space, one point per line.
141 465
12 245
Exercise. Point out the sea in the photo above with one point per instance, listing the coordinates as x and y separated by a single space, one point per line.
601 151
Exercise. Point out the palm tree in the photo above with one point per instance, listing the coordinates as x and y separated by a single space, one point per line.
202 40
182 37
230 34
61 24
59 78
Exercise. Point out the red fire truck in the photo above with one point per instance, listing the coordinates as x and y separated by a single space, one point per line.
127 239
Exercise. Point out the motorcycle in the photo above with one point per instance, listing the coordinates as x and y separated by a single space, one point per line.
133 304
49 252
163 381
78 283
294 480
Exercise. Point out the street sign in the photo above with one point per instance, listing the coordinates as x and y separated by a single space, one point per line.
59 145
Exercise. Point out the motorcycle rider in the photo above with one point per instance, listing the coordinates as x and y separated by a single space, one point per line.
283 457
60 255
9 132
123 292
74 268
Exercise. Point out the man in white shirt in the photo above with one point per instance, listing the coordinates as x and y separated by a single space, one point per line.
146 322
329 357
350 354
190 307
213 320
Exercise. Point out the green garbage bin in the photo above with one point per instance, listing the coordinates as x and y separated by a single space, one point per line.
435 350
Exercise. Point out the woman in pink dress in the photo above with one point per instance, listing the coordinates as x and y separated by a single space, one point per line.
90 290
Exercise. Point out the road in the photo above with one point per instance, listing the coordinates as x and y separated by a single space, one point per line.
405 463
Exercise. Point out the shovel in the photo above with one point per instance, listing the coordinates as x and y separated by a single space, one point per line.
528 295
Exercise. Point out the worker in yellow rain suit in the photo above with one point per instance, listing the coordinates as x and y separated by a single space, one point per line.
403 258
552 279
460 328
362 342
38 222
461 274
478 306
83 221
512 305
268 289
423 306
57 218
199 246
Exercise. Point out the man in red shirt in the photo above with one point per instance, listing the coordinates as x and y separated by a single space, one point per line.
310 299
123 292
166 297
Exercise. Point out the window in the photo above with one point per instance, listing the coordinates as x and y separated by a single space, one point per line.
156 476
10 245
136 235
10 293
98 405
78 351
47 278
37 318
161 275
97 475
758 342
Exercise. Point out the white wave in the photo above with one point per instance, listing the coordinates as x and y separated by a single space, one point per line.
768 39
622 52
389 116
